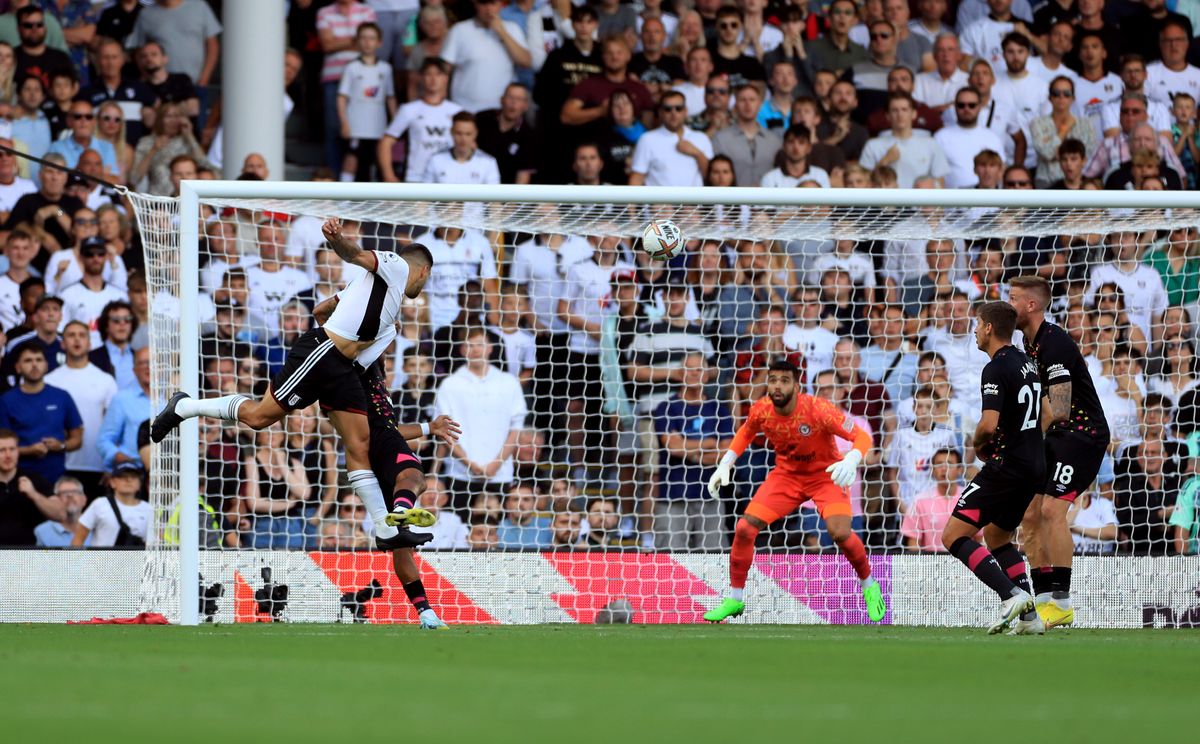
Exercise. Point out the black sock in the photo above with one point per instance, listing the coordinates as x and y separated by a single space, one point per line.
1013 563
416 594
1037 577
405 498
984 565
1060 582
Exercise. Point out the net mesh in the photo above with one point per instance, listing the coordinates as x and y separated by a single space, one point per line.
604 467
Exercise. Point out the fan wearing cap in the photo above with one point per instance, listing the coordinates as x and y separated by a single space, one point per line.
44 322
121 519
65 267
85 300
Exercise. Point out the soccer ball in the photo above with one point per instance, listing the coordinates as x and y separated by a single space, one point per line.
662 240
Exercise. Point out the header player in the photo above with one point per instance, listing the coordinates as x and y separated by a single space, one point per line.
323 364
1009 439
801 429
1077 437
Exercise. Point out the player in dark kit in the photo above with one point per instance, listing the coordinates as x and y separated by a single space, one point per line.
1077 437
1009 440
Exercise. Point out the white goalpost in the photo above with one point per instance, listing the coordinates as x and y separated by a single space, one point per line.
592 516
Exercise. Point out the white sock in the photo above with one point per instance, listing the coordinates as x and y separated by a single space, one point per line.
224 408
346 177
366 488
736 593
867 581
1044 597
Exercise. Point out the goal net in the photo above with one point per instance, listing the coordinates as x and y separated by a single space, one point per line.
603 386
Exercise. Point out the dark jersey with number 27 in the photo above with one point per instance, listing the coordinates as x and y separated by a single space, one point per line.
1011 386
1058 361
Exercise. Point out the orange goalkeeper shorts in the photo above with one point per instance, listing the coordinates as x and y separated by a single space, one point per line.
782 493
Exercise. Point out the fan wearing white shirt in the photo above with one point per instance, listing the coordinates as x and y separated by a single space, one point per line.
982 38
1028 92
964 140
271 282
937 87
1094 85
672 154
1145 295
997 113
911 155
19 250
131 512
458 256
366 101
1172 74
485 51
908 463
426 122
520 348
806 334
1134 80
85 300
92 389
1059 43
12 186
464 162
797 144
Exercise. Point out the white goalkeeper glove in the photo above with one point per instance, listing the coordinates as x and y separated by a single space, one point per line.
845 470
722 475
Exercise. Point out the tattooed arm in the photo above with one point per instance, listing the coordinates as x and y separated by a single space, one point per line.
1058 398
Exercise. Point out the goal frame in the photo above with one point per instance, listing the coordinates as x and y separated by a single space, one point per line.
192 192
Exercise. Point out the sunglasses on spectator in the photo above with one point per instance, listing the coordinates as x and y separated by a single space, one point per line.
1133 111
120 319
729 24
33 24
1061 94
717 91
966 104
672 107
881 35
110 118
93 253
83 116
86 221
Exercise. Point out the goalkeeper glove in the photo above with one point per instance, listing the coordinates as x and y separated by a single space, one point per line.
844 471
722 475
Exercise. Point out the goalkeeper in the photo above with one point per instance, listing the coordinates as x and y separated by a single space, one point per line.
801 429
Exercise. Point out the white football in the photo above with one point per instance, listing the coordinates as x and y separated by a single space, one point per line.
662 240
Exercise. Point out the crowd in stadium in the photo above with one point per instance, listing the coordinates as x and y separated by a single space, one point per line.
602 386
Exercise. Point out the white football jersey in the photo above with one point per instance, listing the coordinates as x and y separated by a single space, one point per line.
369 305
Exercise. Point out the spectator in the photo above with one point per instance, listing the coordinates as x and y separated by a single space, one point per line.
871 75
1184 518
603 524
923 523
671 155
187 33
34 57
449 532
911 156
366 101
1072 156
616 19
1184 135
963 141
84 300
506 135
117 439
999 114
1134 133
900 80
176 87
19 250
909 474
10 35
1145 297
43 333
586 105
522 525
914 51
982 36
271 281
111 130
92 390
1144 499
30 126
938 87
693 432
956 344
520 347
110 84
747 143
57 533
66 267
427 122
776 110
622 130
120 520
491 408
1015 83
567 528
44 417
459 256
653 66
277 488
699 69
464 162
1093 521
806 334
840 129
1047 133
891 359
48 209
728 53
485 52
1176 262
23 503
716 104
483 536
1172 74
1145 162
834 50
792 49
172 137
433 25
1179 372
565 67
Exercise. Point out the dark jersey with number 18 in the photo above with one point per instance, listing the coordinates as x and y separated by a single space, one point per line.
1058 361
1011 386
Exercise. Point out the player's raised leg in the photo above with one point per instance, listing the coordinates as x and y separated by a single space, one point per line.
257 414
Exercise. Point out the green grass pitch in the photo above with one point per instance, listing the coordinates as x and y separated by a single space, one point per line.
348 683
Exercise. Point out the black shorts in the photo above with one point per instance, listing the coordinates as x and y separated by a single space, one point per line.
1072 462
390 455
997 497
316 371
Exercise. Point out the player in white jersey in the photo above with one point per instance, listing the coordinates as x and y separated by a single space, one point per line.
323 365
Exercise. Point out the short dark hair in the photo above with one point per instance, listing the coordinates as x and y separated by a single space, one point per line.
1072 146
29 10
579 12
437 62
1012 37
30 283
782 364
1001 316
463 116
416 252
948 452
368 26
798 131
26 347
9 433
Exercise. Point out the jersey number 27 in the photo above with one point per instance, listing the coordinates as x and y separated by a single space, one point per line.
1031 396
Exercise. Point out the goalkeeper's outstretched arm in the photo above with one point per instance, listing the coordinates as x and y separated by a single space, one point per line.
724 472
